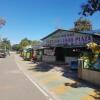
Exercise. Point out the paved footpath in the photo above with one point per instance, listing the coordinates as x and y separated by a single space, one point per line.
52 81
14 85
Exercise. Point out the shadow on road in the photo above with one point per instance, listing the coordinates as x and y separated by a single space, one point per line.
71 74
95 95
42 67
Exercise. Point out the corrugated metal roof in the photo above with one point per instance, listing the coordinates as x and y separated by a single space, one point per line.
93 32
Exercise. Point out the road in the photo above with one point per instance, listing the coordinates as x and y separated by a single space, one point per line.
14 85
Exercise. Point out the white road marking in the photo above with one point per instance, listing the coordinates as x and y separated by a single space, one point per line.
33 81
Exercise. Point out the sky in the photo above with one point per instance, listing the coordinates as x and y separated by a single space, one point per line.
34 19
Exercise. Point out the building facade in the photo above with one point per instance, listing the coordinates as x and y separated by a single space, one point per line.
66 46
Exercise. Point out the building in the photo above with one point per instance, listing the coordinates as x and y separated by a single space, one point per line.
65 46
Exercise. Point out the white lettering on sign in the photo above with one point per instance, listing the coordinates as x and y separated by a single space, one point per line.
68 38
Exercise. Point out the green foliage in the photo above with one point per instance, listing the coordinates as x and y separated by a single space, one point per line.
25 42
90 7
89 56
35 42
2 22
90 59
16 47
5 44
82 25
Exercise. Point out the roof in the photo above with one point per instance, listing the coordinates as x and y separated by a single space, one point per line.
92 32
35 47
52 33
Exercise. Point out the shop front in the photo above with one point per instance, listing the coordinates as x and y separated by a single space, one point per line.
27 52
48 55
37 53
65 46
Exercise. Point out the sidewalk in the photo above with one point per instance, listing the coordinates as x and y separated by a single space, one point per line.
60 85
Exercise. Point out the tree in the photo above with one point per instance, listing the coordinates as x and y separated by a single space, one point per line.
25 42
90 7
2 22
82 25
94 47
96 51
35 42
16 47
6 43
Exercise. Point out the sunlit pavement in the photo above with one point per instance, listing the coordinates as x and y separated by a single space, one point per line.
51 79
14 85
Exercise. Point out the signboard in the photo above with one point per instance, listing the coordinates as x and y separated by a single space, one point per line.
67 38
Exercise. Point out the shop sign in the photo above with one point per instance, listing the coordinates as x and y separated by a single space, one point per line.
68 39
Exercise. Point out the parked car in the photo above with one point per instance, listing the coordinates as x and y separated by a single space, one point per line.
2 53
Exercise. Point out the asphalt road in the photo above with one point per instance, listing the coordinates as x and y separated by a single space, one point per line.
14 85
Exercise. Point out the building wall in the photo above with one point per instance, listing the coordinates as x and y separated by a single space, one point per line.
49 59
48 55
66 40
91 76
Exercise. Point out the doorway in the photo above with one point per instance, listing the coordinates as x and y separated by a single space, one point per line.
59 53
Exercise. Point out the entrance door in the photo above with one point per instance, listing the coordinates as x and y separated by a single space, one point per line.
59 53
